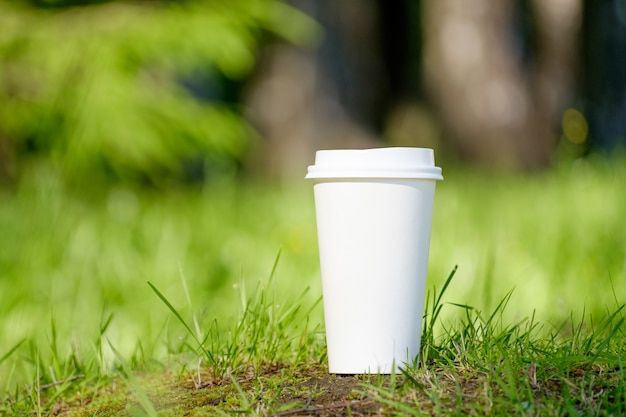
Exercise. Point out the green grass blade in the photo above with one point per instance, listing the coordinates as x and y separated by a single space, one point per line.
10 352
179 317
142 397
407 374
446 284
186 289
275 266
246 406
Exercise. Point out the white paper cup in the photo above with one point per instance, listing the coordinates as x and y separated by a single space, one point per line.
374 214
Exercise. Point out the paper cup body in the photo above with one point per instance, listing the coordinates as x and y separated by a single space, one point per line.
374 216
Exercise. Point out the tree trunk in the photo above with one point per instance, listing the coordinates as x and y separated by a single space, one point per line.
327 96
495 110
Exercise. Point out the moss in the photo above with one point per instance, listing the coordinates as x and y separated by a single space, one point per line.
265 389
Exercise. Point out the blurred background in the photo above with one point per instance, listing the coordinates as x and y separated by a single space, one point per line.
160 92
167 141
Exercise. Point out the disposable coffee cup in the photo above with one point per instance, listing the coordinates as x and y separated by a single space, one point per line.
374 212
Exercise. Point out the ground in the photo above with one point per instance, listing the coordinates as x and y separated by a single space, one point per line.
309 390
277 390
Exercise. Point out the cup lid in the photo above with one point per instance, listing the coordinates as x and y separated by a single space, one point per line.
396 162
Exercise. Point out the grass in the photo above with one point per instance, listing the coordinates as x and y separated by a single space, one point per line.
481 365
531 322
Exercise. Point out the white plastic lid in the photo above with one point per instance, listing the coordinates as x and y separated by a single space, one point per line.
407 163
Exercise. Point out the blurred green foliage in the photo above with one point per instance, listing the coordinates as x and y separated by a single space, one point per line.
138 91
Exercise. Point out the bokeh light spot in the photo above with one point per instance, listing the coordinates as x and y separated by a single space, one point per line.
575 126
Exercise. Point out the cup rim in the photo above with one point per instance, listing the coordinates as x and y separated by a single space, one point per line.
390 162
